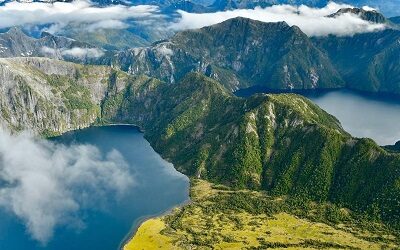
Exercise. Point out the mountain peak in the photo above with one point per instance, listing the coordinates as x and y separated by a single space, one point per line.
244 20
46 34
367 15
16 31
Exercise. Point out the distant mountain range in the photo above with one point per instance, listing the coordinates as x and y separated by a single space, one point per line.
388 7
240 53
15 43
243 53
275 56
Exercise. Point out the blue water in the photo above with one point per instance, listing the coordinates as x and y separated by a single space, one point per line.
158 188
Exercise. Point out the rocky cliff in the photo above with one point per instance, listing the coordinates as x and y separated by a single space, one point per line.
51 96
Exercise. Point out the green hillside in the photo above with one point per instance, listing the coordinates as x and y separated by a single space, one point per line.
280 143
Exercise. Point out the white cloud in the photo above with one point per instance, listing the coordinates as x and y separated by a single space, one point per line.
76 52
76 12
46 184
49 51
82 53
312 21
367 8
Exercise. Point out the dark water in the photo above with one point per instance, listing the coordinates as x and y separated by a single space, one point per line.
361 114
158 187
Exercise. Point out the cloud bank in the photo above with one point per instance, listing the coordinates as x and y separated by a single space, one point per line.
47 185
312 21
77 12
76 52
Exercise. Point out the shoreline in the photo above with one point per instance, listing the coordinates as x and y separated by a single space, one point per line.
139 221
141 130
132 232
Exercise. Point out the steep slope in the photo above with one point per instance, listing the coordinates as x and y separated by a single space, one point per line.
367 62
280 143
50 96
240 53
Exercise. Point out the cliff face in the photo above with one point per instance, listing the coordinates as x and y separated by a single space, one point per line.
50 96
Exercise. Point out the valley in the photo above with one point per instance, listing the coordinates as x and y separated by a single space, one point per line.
266 170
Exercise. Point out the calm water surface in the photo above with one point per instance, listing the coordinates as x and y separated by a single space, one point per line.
363 115
158 187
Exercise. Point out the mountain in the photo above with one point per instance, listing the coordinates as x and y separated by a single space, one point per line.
283 144
240 53
219 5
367 15
15 43
394 148
388 7
273 55
112 39
51 96
367 62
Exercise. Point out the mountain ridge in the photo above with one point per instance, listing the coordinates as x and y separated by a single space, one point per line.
230 58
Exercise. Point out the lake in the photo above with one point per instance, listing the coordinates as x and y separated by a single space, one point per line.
157 188
361 114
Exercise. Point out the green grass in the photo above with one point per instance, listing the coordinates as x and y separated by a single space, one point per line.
220 218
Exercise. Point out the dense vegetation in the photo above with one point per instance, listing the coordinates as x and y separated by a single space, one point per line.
280 143
376 55
219 218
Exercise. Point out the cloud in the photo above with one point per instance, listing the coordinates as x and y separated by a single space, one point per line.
47 185
368 8
82 53
76 52
312 21
76 12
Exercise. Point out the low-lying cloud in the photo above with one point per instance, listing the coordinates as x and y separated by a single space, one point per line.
77 12
76 52
48 185
312 21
